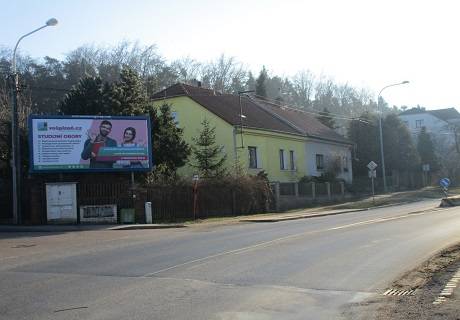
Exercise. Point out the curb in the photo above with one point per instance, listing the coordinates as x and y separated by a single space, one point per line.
317 215
146 226
313 215
53 228
76 228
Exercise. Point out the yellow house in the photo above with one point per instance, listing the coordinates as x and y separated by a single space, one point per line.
258 135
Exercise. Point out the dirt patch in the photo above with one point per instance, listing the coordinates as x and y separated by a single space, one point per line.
429 280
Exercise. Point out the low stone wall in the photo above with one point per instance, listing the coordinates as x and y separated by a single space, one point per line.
294 195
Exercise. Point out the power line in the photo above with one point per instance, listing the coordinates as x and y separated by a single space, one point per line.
45 88
294 108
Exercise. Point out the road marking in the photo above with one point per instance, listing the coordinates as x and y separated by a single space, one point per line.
290 237
10 257
448 289
396 292
68 309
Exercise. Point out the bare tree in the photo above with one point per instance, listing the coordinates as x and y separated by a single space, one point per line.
303 84
222 73
187 69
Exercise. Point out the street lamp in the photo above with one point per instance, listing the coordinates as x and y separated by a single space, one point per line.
381 135
15 154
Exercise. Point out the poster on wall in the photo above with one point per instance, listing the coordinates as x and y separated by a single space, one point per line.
89 143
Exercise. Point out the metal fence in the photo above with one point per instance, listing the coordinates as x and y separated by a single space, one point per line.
6 210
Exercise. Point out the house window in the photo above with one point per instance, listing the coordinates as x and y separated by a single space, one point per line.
282 160
175 117
345 164
418 123
252 157
319 162
292 160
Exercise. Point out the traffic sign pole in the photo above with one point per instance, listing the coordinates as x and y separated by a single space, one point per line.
445 183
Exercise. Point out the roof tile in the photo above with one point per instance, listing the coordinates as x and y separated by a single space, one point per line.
257 113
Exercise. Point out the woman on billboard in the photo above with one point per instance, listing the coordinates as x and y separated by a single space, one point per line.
128 142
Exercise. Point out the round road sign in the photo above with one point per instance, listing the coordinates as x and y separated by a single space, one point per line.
444 182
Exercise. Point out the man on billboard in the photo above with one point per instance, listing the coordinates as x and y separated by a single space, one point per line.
95 142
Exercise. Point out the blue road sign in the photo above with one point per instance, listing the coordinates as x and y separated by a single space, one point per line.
444 182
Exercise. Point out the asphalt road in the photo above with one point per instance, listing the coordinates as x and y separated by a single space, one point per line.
301 269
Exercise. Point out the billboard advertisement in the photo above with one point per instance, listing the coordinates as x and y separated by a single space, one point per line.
89 143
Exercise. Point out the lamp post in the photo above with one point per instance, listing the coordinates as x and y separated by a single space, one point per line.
15 145
382 155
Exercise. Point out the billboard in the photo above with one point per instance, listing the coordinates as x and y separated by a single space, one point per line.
89 143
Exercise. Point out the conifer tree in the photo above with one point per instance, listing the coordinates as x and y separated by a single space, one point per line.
425 149
261 85
208 155
86 98
250 82
364 134
400 151
326 119
169 148
128 96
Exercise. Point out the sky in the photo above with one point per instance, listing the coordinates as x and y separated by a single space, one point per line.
365 43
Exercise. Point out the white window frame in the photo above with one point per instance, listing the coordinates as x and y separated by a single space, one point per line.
283 159
255 154
292 160
321 159
345 164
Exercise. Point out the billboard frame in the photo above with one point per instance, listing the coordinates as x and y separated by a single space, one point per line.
107 170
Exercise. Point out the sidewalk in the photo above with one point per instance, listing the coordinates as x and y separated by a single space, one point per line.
266 217
381 201
85 227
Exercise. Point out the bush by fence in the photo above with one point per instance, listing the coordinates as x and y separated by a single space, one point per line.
170 202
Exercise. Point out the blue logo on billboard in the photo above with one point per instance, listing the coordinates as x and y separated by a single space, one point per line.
42 126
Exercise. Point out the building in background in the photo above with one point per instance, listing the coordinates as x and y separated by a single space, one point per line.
284 142
438 123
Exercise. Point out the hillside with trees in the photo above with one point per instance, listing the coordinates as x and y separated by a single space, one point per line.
100 80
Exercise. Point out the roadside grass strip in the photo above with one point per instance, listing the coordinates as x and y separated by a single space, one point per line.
448 289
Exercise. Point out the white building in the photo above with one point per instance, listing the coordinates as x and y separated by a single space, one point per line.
437 123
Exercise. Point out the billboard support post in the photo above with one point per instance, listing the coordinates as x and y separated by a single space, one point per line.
133 194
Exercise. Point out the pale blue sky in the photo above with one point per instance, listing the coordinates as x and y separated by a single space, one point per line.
363 42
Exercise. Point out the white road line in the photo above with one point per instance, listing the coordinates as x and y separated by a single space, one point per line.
10 257
290 237
448 289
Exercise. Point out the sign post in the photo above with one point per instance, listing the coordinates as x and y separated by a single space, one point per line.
372 174
425 169
195 180
445 183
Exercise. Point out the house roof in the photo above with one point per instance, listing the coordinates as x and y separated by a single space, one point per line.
182 89
257 113
443 114
446 114
227 107
307 123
